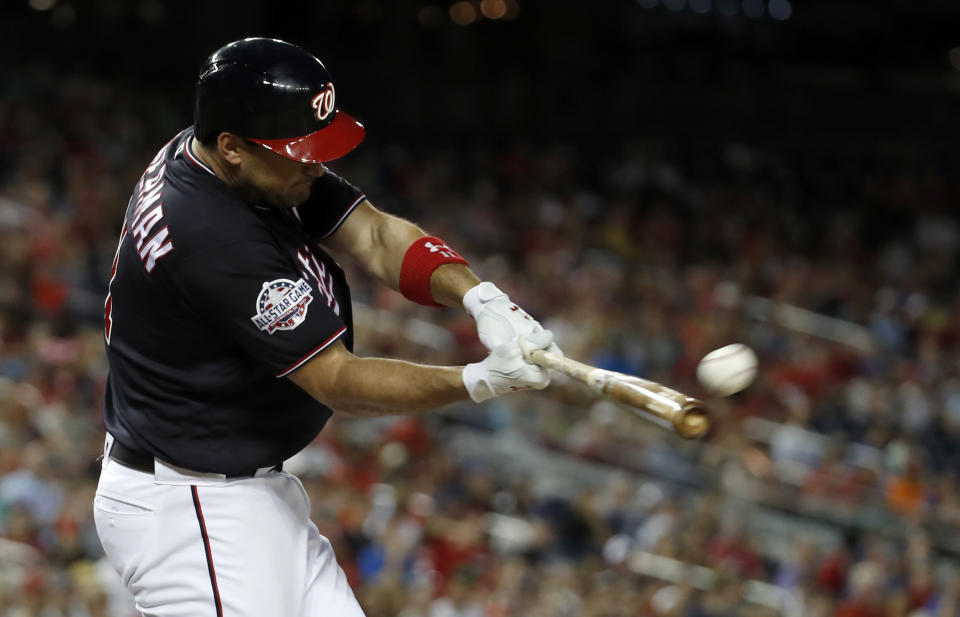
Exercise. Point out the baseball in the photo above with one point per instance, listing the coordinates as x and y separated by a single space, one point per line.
727 370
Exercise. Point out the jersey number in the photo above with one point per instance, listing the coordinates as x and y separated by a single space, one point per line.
108 305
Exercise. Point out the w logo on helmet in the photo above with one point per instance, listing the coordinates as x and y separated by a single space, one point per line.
324 102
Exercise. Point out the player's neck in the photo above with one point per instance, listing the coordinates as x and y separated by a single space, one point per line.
227 175
211 160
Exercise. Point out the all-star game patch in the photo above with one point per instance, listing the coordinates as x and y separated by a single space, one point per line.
282 305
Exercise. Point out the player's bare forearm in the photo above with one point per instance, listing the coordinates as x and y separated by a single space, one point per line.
450 282
378 386
378 242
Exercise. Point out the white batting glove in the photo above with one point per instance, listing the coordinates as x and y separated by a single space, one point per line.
506 370
498 319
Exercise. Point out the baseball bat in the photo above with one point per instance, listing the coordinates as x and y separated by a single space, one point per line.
675 411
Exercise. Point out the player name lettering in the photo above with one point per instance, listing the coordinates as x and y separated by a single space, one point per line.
147 214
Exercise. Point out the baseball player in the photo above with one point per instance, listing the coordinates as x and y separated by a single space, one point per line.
228 333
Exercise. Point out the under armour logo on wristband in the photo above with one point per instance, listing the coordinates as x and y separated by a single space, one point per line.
443 249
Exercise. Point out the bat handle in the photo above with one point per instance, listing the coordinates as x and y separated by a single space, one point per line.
595 378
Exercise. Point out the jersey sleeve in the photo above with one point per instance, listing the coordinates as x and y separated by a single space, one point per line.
254 295
331 201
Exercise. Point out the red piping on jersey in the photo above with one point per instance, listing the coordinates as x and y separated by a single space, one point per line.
196 161
345 215
108 303
318 349
206 548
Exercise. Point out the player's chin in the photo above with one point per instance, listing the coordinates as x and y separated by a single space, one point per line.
290 198
298 194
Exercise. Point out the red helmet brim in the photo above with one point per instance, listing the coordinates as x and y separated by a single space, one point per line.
329 143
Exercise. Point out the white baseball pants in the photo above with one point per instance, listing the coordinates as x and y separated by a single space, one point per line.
188 544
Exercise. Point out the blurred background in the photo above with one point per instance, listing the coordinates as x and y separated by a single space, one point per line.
652 179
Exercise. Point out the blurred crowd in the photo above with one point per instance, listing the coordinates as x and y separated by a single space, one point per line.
641 257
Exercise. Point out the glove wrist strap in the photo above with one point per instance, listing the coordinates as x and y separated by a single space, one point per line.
479 295
474 380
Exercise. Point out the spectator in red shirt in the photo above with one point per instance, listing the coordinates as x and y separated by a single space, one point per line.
732 551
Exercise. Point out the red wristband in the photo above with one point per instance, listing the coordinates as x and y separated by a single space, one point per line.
423 257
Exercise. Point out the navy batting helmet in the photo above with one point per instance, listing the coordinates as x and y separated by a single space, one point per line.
277 95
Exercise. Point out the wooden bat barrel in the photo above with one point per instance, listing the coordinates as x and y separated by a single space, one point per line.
684 415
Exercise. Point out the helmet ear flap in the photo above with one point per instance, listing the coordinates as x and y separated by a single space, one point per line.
219 87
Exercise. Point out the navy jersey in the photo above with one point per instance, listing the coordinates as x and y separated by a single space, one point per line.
212 302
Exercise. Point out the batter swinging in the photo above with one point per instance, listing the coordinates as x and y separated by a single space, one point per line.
229 336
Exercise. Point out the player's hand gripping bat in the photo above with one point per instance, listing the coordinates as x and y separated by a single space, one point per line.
686 416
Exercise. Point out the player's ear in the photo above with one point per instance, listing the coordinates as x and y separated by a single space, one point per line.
229 146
